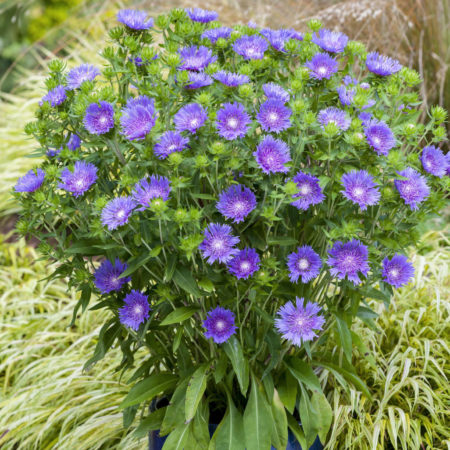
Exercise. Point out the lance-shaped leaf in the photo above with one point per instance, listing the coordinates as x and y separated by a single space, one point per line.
195 391
234 352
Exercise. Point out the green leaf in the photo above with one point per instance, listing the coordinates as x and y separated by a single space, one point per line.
170 267
304 373
297 430
274 343
203 196
221 367
179 438
230 432
175 413
324 414
177 340
287 390
206 284
376 294
280 426
344 336
149 388
151 422
135 263
309 418
281 240
179 315
183 278
364 350
234 352
199 427
195 391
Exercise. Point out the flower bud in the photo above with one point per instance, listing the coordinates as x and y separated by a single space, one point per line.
175 159
201 161
56 65
314 24
163 21
116 33
245 90
438 113
173 59
297 85
356 48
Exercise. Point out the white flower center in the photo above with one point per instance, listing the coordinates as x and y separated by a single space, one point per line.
138 309
79 183
407 188
194 122
239 206
349 260
303 264
305 189
245 265
114 280
394 273
232 123
273 117
357 192
250 51
220 325
120 213
103 119
322 70
300 321
171 147
377 140
217 244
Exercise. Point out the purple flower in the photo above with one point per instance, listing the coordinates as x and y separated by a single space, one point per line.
334 115
31 181
305 262
322 66
299 323
134 19
379 136
397 271
272 155
138 117
80 180
196 58
278 38
99 118
55 96
346 260
236 203
190 117
360 188
414 189
107 276
219 325
382 65
274 116
219 243
244 264
74 142
309 191
117 212
364 85
251 47
275 91
198 80
347 80
346 95
216 33
232 121
434 161
365 117
447 170
168 143
231 79
78 75
201 15
135 311
145 191
331 41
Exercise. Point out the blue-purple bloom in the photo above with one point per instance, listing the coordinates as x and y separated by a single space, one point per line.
214 34
379 136
397 271
331 41
78 75
198 80
232 121
278 38
299 323
382 65
360 188
196 58
135 19
334 115
135 311
138 117
117 212
219 325
273 90
201 15
190 117
309 191
322 66
74 142
245 263
305 263
107 276
145 191
219 243
346 260
272 155
434 161
84 175
231 79
99 118
414 189
168 143
274 116
236 202
251 47
346 95
55 96
31 181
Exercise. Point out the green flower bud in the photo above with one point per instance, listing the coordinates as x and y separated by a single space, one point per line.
356 48
309 118
201 161
81 276
356 139
183 76
298 106
100 203
290 188
184 29
180 215
116 33
439 133
409 129
245 90
51 172
158 206
108 53
307 37
39 197
302 73
410 76
245 69
412 158
204 98
291 46
221 43
297 85
331 129
148 53
195 215
45 248
218 148
314 24
56 65
23 227
30 128
173 59
438 113
175 159
154 69
163 21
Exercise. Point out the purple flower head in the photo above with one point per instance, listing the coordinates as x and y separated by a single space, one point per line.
382 65
379 136
274 116
190 117
55 96
74 142
99 118
168 143
371 102
107 276
278 38
331 41
51 152
322 66
346 260
397 271
219 325
360 188
447 170
299 323
245 263
201 15
232 121
78 75
138 117
365 117
117 212
231 79
334 115
346 95
145 191
434 161
236 203
364 85
31 181
347 80
196 58
272 155
275 91
216 33
80 180
219 243
135 311
134 19
309 191
305 262
198 80
251 47
414 189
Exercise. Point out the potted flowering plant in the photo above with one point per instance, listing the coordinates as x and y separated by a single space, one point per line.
233 196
